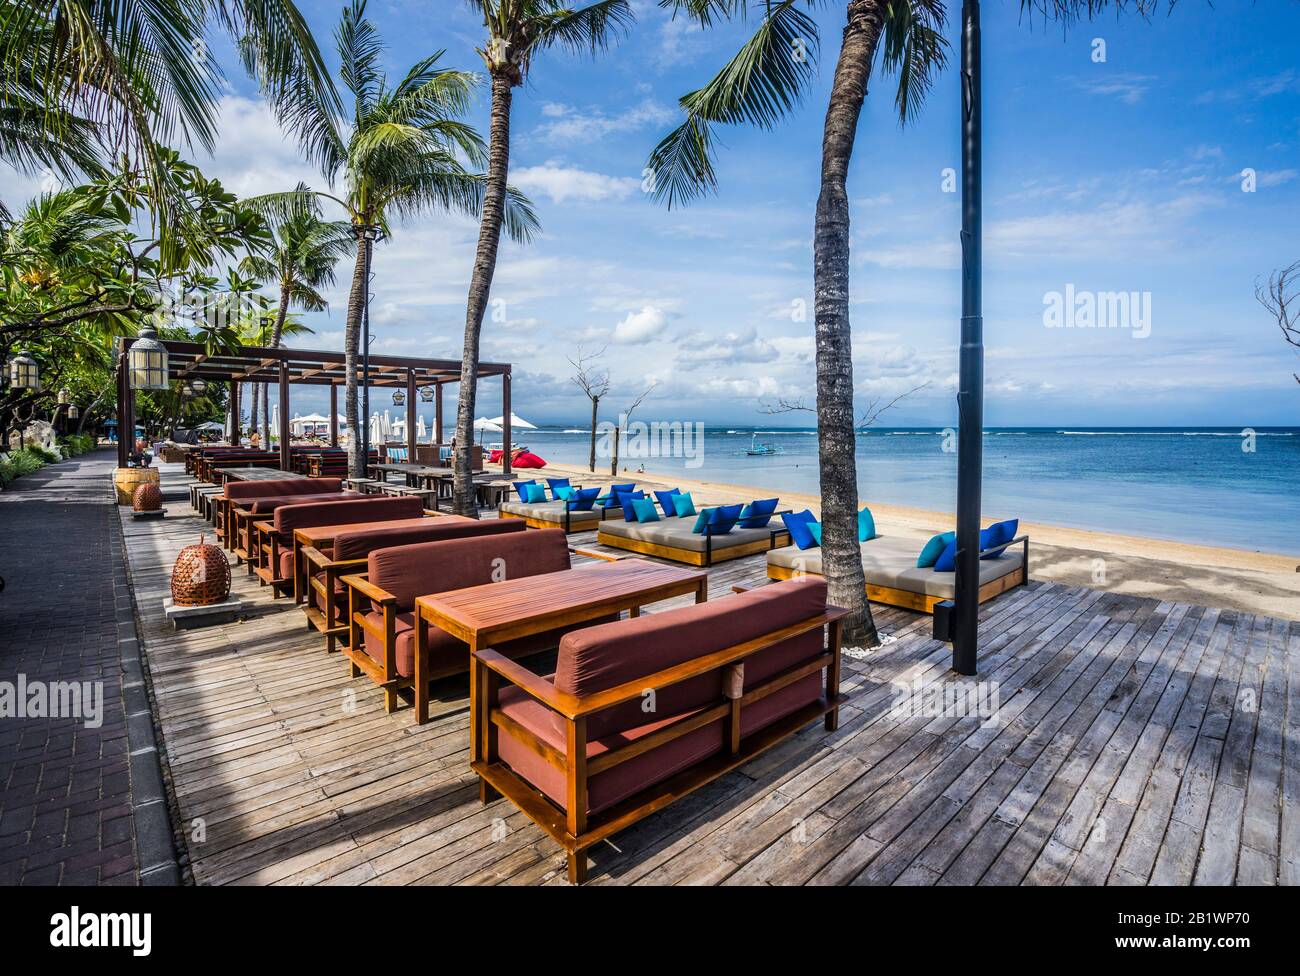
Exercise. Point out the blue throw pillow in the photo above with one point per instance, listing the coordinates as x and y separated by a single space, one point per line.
616 490
556 484
626 500
666 500
947 561
815 530
583 499
757 514
645 510
1000 533
683 505
866 525
534 493
796 524
519 487
702 520
724 519
933 549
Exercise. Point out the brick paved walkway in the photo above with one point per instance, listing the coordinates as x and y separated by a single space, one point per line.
66 801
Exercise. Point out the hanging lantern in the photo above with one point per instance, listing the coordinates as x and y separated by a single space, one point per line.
147 361
24 372
426 394
398 398
199 386
62 399
73 412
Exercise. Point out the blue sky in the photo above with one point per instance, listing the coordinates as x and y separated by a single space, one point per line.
1119 176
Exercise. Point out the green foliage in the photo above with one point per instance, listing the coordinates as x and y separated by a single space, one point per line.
46 457
75 445
22 462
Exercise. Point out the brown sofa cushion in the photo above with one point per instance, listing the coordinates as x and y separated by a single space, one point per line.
265 506
445 652
435 567
596 658
366 508
357 545
282 486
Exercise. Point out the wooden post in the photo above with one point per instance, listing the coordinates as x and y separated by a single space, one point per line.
334 415
234 413
286 452
505 423
122 393
437 418
411 415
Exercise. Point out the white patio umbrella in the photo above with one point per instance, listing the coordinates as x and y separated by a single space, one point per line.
516 422
483 424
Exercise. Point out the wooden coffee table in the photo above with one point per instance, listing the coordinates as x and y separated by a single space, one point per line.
495 612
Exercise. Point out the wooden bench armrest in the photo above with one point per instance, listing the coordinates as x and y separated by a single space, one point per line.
572 707
608 557
368 589
533 684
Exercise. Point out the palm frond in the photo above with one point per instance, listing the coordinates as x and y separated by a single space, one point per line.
915 49
360 50
588 29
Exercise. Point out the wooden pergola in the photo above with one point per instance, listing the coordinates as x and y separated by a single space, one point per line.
187 361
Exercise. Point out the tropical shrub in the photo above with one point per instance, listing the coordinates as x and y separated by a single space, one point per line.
44 455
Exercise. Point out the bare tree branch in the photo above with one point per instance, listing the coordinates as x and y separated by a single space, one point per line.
1280 295
874 409
593 381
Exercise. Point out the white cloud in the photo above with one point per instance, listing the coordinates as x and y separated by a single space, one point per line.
640 326
569 124
562 183
1128 88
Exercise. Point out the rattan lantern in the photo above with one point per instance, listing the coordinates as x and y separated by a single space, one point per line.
147 498
201 576
147 361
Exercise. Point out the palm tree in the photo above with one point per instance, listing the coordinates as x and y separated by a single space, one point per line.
139 72
516 30
760 85
399 154
300 259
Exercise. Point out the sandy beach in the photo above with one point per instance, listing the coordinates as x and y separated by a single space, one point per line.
1231 579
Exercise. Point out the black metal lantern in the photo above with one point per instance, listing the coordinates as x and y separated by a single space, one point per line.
398 398
24 372
147 361
426 394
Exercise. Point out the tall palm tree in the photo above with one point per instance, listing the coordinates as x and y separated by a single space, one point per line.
762 84
516 30
400 155
300 260
141 73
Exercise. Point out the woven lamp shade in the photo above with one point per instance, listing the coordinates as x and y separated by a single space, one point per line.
147 498
201 576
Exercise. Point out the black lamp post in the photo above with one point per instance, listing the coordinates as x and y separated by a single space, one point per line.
970 383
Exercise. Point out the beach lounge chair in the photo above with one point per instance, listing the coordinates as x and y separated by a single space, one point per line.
326 605
580 514
277 548
674 536
381 604
579 754
893 577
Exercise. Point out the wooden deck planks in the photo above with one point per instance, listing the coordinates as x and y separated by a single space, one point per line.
1135 742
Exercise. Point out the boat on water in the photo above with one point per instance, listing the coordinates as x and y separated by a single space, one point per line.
759 449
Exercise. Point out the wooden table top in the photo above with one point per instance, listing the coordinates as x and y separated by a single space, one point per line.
318 535
257 474
532 604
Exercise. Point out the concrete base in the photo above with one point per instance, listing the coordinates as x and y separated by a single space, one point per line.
185 618
160 513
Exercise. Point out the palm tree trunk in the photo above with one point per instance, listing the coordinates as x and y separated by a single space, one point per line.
836 434
480 286
258 390
351 347
276 333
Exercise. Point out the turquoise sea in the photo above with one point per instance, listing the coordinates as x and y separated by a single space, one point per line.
1193 485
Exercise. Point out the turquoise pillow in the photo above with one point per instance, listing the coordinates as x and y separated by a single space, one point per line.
645 510
866 525
702 521
564 493
683 505
933 549
534 493
815 529
796 524
626 500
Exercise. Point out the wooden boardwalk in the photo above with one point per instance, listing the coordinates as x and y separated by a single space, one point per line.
1135 742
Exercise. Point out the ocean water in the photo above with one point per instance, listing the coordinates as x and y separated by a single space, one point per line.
1193 485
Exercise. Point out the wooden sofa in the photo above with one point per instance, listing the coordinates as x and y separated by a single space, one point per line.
246 540
244 494
326 603
583 756
381 605
892 576
276 555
